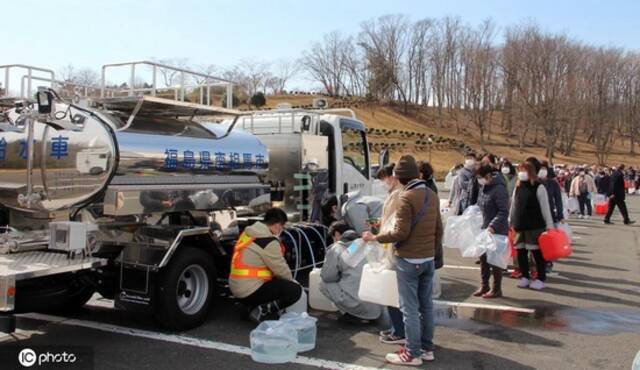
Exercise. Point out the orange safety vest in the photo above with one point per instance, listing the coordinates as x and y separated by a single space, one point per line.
240 270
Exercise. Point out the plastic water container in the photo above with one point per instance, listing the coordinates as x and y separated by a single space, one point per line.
305 325
274 342
636 362
554 244
317 300
379 286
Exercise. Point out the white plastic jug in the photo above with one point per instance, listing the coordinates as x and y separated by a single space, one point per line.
379 286
317 300
274 342
437 286
305 326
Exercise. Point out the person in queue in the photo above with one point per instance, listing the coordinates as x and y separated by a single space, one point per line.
395 334
582 187
260 277
459 196
509 173
426 174
416 235
341 282
530 216
494 204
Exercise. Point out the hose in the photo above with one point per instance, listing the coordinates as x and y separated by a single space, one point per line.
295 246
313 257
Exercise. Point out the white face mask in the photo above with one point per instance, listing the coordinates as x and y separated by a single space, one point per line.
469 164
506 170
523 176
542 173
482 181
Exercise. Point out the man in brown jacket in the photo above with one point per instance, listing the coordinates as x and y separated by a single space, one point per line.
416 236
260 277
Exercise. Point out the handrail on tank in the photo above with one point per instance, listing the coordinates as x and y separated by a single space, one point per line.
60 84
182 71
30 69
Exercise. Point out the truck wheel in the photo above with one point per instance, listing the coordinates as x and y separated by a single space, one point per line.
186 289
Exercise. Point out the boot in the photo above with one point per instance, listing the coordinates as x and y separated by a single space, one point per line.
484 275
496 288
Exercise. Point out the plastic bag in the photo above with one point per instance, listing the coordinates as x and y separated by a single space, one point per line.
445 211
565 205
437 286
461 231
479 245
498 253
355 253
374 253
567 229
573 206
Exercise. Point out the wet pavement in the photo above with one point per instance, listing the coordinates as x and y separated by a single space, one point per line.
588 317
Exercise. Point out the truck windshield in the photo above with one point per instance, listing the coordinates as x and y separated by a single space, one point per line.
354 148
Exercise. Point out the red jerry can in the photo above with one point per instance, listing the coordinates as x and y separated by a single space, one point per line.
602 208
554 245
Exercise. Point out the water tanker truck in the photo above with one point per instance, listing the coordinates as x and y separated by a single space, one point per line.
140 198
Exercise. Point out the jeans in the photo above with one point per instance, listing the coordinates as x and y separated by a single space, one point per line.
415 285
584 201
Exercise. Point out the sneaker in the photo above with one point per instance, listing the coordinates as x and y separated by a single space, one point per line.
587 217
580 217
384 333
630 222
523 283
536 285
392 339
403 357
267 311
606 222
427 356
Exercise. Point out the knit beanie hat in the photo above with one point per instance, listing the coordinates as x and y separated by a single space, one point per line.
407 168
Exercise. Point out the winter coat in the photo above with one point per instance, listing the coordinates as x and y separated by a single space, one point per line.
616 185
358 209
341 282
494 203
265 251
423 239
459 198
555 199
575 185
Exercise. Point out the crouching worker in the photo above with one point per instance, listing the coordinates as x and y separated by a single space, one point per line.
341 282
260 277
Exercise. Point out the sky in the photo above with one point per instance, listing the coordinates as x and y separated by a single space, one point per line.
90 33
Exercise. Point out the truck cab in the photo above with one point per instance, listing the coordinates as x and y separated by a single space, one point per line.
314 153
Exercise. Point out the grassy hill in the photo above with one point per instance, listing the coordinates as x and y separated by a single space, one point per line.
407 134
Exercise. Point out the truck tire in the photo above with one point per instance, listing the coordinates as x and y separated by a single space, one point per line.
186 289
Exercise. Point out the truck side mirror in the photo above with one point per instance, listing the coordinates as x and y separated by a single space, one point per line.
383 159
45 100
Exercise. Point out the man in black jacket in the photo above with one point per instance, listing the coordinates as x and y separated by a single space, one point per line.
617 195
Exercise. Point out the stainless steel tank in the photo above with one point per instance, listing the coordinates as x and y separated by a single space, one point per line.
151 154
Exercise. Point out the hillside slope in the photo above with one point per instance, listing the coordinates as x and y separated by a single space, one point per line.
408 134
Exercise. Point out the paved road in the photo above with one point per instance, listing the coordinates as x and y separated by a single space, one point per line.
587 318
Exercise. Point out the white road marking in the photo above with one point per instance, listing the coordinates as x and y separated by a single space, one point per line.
461 267
578 227
188 341
485 306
